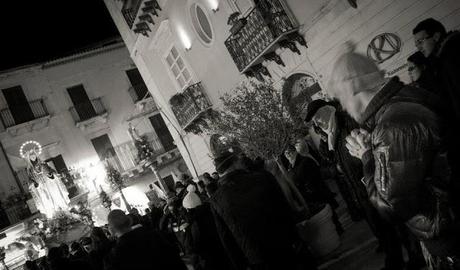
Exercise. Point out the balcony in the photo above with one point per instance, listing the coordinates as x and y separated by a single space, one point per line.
190 104
138 14
126 161
38 111
26 118
256 37
87 113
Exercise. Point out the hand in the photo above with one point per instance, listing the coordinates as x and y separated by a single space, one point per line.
358 143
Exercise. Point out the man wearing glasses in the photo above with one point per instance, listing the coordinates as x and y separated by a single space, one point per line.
443 51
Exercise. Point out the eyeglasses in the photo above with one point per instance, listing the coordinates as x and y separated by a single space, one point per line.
421 40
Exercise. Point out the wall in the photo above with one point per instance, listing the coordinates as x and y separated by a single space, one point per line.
326 25
102 75
338 23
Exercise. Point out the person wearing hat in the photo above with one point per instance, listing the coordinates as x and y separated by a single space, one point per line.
400 146
349 168
253 218
139 248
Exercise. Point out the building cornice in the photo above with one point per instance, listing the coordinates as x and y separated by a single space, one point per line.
82 55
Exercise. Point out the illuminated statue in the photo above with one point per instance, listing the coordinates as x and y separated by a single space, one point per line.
47 189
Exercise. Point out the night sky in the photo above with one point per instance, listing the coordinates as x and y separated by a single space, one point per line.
35 31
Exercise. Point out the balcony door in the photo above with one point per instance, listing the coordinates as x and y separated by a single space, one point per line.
18 104
162 132
105 151
81 102
137 82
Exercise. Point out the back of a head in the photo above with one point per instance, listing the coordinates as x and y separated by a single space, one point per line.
30 265
75 246
98 237
430 26
54 254
119 220
354 73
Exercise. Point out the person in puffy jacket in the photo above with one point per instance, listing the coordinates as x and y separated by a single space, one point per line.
400 144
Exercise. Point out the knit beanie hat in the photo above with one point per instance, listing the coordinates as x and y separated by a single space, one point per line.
191 200
224 151
354 72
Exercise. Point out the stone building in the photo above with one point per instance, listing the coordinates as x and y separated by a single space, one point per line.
79 108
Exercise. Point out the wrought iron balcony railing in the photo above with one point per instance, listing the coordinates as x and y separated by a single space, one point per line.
129 11
87 110
138 92
263 27
187 106
21 113
138 14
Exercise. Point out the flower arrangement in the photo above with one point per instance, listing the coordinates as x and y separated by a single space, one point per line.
106 202
145 151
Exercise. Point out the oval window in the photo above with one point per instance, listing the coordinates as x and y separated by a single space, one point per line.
201 23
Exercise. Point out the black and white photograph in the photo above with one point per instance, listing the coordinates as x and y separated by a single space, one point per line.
230 135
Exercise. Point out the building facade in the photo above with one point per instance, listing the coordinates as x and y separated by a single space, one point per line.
79 108
190 52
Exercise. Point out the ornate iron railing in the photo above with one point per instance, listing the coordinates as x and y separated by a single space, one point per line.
264 25
188 105
130 11
37 107
87 110
140 11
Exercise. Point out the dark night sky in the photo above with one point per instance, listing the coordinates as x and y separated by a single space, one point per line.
35 31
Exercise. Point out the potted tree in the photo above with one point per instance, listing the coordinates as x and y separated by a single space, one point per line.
255 116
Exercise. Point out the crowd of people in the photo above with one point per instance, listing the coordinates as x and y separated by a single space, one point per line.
391 149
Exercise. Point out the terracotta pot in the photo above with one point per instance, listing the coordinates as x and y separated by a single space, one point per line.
319 232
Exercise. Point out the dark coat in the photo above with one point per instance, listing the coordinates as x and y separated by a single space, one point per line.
254 220
142 249
306 175
407 163
206 242
446 65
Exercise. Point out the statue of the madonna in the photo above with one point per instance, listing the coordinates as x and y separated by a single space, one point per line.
47 189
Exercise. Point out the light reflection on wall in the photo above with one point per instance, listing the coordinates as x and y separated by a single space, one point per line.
214 5
184 37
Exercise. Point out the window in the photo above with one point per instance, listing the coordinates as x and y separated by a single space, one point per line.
201 23
178 68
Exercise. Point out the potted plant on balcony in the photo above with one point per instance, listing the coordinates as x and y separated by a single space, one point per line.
236 22
177 100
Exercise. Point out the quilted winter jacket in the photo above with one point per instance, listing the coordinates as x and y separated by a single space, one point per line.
406 173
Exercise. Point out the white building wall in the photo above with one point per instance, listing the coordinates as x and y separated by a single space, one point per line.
326 25
102 75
